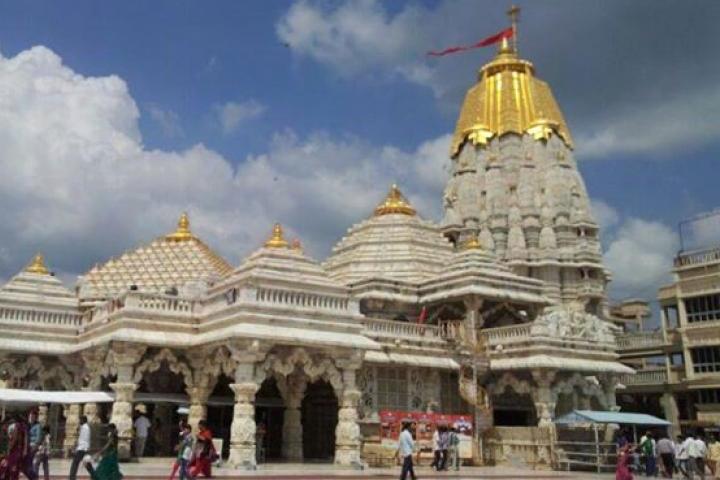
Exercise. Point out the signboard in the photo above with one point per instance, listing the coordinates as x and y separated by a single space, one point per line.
425 425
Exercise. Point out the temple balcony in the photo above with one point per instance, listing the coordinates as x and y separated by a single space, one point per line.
142 306
71 320
393 331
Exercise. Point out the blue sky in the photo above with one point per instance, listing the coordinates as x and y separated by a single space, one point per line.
245 113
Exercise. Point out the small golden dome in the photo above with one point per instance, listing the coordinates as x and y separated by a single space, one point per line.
277 240
183 232
472 243
394 203
508 97
38 265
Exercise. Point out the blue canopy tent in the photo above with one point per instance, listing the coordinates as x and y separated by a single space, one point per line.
579 417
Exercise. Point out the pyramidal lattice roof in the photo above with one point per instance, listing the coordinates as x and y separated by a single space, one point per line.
169 261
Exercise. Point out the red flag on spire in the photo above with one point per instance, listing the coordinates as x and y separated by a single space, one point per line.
507 33
423 316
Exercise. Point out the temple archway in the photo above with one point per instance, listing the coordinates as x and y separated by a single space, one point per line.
269 418
319 419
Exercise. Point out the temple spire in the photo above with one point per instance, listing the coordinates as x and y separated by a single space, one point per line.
37 265
514 14
182 232
277 240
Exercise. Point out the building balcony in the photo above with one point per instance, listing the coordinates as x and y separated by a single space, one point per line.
140 305
395 330
699 257
653 377
39 317
640 344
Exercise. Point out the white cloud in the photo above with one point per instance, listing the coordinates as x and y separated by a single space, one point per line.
78 184
640 257
231 114
168 120
659 129
606 215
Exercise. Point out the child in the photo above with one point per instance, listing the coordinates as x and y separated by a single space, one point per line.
185 452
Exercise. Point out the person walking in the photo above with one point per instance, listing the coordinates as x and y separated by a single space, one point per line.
444 445
436 448
185 453
681 456
454 449
142 429
205 453
406 445
647 447
83 445
666 451
42 455
698 454
108 467
624 457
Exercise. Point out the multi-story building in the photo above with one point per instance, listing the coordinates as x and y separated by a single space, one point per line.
680 378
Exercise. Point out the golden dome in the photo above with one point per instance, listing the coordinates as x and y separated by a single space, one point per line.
508 98
277 240
394 203
38 265
183 232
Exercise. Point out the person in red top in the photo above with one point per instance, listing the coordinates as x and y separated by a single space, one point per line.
205 453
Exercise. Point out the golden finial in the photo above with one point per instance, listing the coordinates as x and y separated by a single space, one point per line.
472 243
296 245
277 240
183 230
394 203
37 265
514 14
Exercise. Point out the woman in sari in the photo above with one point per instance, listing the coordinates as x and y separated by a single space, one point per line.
205 453
107 468
15 461
622 471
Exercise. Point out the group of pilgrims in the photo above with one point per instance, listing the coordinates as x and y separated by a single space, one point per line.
29 446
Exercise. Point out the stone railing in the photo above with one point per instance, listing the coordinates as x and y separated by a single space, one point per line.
504 335
19 315
649 376
396 329
697 258
640 340
137 302
454 330
301 299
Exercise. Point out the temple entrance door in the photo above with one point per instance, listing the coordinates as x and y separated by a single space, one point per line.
269 413
319 419
220 413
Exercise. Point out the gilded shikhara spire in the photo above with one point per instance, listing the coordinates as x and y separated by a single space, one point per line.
394 203
37 265
508 98
277 240
183 232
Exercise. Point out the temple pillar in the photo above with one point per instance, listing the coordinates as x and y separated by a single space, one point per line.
243 429
609 383
72 426
125 356
292 446
90 410
543 398
347 432
198 405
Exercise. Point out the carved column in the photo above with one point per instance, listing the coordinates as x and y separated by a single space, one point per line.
72 425
347 432
544 403
125 357
243 429
608 383
90 410
198 405
292 446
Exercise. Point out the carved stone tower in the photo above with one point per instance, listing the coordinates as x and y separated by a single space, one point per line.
515 183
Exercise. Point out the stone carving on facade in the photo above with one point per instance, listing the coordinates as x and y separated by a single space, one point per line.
315 368
166 357
572 322
416 389
366 383
577 383
125 356
472 392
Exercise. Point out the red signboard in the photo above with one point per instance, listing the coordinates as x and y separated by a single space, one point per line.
425 423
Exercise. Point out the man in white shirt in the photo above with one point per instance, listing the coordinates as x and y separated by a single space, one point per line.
142 428
83 446
697 452
406 445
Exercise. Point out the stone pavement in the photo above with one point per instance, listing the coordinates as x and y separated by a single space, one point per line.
159 469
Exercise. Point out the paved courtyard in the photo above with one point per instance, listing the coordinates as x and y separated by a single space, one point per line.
158 468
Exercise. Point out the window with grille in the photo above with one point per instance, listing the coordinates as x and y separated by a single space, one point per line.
703 309
450 399
392 384
708 395
706 359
